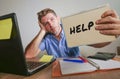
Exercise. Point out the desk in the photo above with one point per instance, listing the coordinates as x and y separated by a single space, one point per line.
46 74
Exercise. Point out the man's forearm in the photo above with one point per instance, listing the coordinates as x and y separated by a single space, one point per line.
33 48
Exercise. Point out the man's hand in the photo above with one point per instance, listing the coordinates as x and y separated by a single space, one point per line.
109 24
32 50
42 27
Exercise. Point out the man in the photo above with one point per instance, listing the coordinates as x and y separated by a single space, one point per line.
51 36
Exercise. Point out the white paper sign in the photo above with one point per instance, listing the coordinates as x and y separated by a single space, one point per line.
80 28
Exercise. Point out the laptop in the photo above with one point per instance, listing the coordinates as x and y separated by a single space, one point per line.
12 58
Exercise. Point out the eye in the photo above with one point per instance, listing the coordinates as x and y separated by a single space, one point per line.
52 19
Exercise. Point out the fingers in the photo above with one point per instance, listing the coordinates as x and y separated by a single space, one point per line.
110 13
109 16
107 20
109 29
40 24
42 27
110 32
109 24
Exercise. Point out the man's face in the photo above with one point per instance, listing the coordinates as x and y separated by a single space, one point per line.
51 23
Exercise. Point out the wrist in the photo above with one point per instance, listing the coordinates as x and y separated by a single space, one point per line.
42 32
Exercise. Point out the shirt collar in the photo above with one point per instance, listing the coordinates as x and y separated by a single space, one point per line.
62 33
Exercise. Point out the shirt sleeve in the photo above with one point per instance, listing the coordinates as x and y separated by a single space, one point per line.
42 45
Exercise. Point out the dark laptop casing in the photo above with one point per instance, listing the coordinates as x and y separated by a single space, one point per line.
12 59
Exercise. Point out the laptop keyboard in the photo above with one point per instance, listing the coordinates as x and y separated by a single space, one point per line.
32 65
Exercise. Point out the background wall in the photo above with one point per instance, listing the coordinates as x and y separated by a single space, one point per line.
27 18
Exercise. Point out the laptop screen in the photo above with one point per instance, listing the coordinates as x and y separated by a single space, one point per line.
11 49
9 33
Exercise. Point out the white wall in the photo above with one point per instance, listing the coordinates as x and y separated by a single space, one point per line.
26 12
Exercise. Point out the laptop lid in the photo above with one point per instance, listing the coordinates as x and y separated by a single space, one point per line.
11 51
12 58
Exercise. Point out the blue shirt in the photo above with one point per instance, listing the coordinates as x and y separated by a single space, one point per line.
58 48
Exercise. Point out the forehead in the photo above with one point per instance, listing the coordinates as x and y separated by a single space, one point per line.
48 16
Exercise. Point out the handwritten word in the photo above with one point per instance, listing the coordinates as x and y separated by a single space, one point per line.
81 28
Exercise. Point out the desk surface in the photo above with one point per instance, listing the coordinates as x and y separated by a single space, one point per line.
46 74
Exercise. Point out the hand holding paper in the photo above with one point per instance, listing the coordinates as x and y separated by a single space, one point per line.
80 28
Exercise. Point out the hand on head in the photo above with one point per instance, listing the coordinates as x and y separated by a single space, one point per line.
42 27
